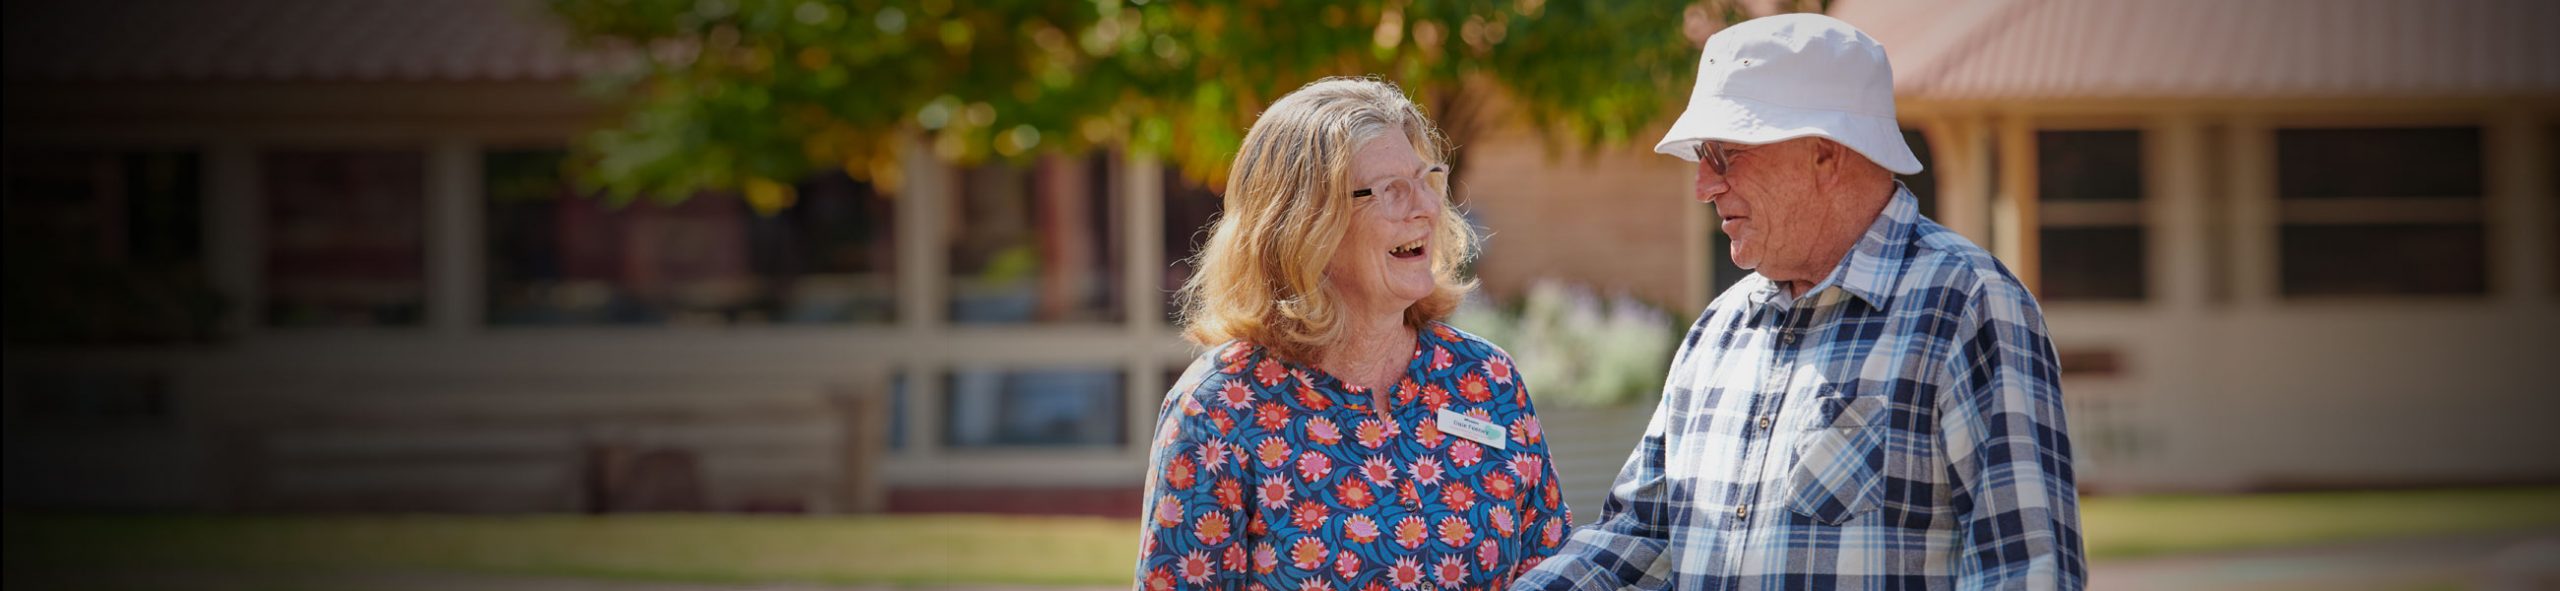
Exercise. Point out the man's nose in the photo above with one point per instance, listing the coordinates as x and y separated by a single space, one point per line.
1710 185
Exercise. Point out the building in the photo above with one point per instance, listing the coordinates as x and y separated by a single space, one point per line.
2266 234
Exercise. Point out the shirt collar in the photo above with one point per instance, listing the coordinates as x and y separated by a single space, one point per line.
1869 270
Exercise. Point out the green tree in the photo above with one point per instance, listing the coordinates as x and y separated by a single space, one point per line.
749 94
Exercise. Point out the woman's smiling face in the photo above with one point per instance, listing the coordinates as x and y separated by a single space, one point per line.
1384 261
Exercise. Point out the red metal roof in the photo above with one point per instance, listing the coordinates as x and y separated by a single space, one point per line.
341 40
2074 49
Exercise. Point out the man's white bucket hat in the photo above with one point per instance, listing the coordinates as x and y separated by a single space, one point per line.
1788 76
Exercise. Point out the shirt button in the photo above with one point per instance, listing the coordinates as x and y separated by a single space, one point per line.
1741 511
1764 422
1788 338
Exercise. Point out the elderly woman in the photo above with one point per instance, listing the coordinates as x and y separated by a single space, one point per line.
1336 436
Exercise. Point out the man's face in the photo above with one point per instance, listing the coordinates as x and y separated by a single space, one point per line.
1768 201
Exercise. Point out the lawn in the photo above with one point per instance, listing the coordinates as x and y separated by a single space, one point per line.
952 550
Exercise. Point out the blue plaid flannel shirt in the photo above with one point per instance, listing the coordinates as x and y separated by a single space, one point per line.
1897 427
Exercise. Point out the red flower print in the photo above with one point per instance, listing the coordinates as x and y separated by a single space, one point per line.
1275 491
1455 532
1313 399
1439 358
1373 432
1406 574
1378 470
1554 533
1213 455
1314 466
1235 558
1271 416
1272 452
1452 571
1374 585
1346 564
1361 528
1230 494
1160 580
1499 485
1465 454
1315 584
1528 467
1235 395
1526 430
1502 521
1488 554
1307 553
1224 422
1323 431
1195 568
1459 497
1427 432
1310 515
1427 471
1411 497
1213 528
1256 526
1410 532
1406 390
1471 386
1550 497
1236 353
1178 473
1354 494
1442 331
1269 373
1500 368
1434 396
1264 558
1168 511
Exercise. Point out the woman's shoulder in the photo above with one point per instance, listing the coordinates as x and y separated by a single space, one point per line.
1214 373
1465 345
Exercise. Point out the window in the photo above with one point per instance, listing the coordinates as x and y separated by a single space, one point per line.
557 257
2384 211
107 248
1036 245
344 236
1189 208
1034 408
2089 189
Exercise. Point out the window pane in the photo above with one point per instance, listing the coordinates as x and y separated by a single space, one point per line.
2089 165
1188 210
107 247
2412 162
2093 263
1044 408
2384 259
345 238
1037 244
1924 185
557 257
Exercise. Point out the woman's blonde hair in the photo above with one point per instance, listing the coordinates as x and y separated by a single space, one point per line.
1288 205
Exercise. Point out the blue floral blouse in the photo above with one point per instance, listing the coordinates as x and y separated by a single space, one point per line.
1272 475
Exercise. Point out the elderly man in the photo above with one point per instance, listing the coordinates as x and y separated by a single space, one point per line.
1877 406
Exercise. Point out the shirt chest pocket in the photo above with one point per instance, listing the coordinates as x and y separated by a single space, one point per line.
1839 459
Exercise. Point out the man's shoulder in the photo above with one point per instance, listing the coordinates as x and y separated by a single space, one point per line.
1947 267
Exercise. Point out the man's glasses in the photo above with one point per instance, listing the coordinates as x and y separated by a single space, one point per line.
1435 178
1716 156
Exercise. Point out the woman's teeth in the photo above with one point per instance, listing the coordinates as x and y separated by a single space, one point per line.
1409 250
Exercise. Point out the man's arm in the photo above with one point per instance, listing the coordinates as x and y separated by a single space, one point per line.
2008 452
1636 520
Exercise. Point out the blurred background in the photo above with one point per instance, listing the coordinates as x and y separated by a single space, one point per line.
713 294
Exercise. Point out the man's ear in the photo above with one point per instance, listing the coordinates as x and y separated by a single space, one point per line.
1830 161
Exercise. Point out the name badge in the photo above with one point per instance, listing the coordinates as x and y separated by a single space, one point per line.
1474 429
